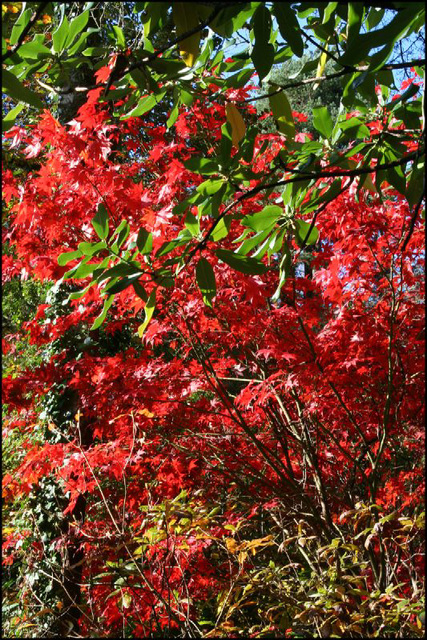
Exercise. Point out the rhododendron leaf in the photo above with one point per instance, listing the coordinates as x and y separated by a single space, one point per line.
192 224
140 291
144 241
302 235
238 127
100 222
14 88
244 264
91 248
262 52
289 27
65 258
100 319
323 121
114 287
206 280
60 35
264 219
221 229
285 268
200 165
282 113
149 310
185 18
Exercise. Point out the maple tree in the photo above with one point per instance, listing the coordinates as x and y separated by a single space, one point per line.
221 432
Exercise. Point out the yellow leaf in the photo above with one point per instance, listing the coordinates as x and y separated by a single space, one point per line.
231 545
238 127
185 19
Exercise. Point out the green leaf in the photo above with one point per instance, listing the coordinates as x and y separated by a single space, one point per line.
221 229
140 291
19 26
282 113
60 35
144 241
209 187
145 104
121 269
288 26
244 264
9 119
119 36
226 143
65 258
79 294
263 52
149 310
264 219
415 186
115 287
284 269
100 222
192 224
84 270
301 231
205 277
100 319
201 165
323 121
91 248
250 243
16 90
34 50
76 26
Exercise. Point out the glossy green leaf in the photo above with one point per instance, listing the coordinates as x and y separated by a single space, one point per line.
263 52
100 222
16 90
288 26
205 277
145 104
200 165
284 271
65 258
9 119
322 121
301 231
264 219
91 248
244 264
59 36
221 229
144 241
100 319
149 310
34 50
20 24
192 224
282 113
76 26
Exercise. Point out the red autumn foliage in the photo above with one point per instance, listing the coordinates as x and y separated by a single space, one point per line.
304 410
